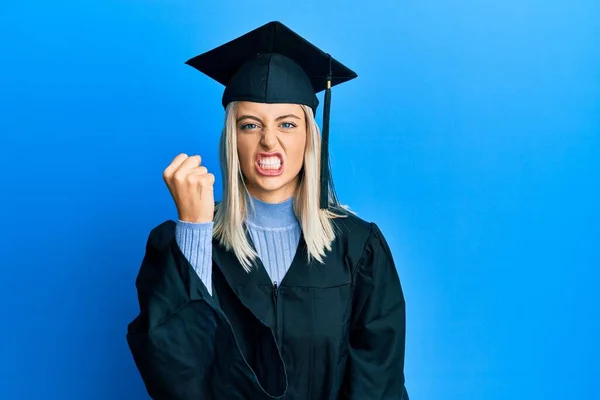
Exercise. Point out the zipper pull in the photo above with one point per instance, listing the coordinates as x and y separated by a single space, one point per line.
275 288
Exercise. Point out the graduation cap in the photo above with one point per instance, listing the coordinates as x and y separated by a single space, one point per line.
273 64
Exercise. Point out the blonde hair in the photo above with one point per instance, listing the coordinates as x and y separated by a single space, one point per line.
316 224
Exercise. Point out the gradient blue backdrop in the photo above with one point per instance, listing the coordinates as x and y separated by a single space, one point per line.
471 137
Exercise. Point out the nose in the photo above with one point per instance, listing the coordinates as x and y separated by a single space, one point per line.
268 139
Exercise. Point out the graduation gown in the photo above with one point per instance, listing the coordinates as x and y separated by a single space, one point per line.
331 331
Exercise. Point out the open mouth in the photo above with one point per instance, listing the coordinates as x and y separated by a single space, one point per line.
269 164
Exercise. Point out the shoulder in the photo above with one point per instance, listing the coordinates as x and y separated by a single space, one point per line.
367 254
356 235
349 226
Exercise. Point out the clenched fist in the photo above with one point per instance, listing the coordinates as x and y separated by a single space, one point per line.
192 188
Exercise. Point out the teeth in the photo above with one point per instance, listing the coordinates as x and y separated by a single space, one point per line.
270 163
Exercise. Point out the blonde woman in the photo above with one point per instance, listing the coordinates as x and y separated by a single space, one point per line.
275 292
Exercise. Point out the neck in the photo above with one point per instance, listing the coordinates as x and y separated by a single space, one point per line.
271 215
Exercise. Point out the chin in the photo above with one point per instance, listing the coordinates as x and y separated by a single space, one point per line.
271 184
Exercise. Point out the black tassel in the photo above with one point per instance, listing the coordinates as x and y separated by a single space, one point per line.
325 172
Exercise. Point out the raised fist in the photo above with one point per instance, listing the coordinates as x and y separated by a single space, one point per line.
192 188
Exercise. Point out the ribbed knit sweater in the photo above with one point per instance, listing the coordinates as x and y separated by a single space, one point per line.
274 229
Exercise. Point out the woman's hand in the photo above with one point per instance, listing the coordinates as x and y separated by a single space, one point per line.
191 186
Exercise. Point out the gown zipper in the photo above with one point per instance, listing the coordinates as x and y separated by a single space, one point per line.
276 303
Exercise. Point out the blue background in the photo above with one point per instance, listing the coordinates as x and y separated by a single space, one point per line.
471 137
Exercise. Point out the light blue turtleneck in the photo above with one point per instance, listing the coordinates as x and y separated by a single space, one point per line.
273 228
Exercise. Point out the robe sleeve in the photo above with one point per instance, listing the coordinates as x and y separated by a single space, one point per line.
375 369
183 344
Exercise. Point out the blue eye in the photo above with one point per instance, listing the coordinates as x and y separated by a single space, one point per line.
246 127
288 125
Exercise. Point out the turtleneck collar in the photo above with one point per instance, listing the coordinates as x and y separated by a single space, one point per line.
271 215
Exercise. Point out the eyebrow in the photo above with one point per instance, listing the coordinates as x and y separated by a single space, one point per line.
287 116
243 117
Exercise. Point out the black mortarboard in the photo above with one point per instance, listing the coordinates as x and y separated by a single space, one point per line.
273 64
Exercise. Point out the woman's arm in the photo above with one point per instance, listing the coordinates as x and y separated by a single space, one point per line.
195 242
377 335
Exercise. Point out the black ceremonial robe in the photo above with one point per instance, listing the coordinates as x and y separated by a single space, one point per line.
328 331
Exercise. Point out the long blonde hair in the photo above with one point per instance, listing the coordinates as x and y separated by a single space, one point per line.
316 224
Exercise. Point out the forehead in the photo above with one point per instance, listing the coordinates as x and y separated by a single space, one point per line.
268 110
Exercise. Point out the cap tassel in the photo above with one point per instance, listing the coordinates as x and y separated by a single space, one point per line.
325 172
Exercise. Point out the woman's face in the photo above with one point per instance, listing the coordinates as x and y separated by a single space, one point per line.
270 141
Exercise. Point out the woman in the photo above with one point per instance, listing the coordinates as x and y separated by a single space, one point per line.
271 293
